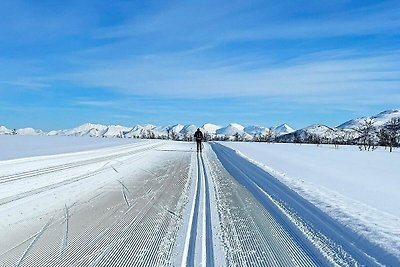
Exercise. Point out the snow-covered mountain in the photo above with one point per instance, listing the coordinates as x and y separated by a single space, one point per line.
116 131
318 133
256 130
284 132
161 131
176 128
87 129
344 132
4 130
231 130
23 131
139 131
178 131
188 129
283 129
29 131
379 120
211 128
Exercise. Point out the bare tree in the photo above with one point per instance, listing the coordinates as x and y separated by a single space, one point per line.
168 132
392 128
185 135
367 132
151 134
243 137
236 136
269 135
383 138
173 135
207 136
297 138
273 135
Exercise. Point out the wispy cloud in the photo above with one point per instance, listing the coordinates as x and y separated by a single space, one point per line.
170 76
96 103
34 84
151 59
256 20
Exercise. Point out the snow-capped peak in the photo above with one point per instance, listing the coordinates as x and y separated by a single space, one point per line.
283 129
256 130
231 129
4 130
177 128
29 131
211 128
188 129
379 119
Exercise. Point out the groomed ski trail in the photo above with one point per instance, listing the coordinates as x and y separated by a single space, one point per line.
140 205
198 247
324 240
130 219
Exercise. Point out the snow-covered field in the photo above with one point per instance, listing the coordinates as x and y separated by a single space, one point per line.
159 203
358 188
18 146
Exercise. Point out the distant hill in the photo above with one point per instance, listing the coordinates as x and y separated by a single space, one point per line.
283 132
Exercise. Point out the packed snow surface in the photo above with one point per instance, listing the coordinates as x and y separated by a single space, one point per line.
359 188
159 203
18 146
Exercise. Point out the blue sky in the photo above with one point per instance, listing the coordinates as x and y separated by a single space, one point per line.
63 63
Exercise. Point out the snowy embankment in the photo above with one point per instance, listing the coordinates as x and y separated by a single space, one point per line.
19 146
358 188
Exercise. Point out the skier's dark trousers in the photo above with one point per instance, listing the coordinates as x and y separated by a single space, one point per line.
198 136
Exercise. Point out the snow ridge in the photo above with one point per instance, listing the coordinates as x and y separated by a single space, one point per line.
283 132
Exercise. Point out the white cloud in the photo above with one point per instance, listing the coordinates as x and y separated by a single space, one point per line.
186 77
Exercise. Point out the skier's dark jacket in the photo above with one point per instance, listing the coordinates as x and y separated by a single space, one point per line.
198 135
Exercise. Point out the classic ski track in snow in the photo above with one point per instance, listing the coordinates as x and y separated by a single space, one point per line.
28 175
105 230
250 234
321 237
62 167
199 237
169 207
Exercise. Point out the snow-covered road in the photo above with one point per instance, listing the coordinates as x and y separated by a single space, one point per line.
158 203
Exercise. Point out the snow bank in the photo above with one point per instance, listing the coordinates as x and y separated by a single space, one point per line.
358 188
19 146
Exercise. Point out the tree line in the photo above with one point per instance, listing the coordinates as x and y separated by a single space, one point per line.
366 136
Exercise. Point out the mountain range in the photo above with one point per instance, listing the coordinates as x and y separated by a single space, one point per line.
283 133
177 131
344 132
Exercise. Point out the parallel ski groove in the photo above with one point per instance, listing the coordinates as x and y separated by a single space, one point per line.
62 167
252 235
209 234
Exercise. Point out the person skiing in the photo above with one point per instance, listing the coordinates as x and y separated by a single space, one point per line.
198 135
